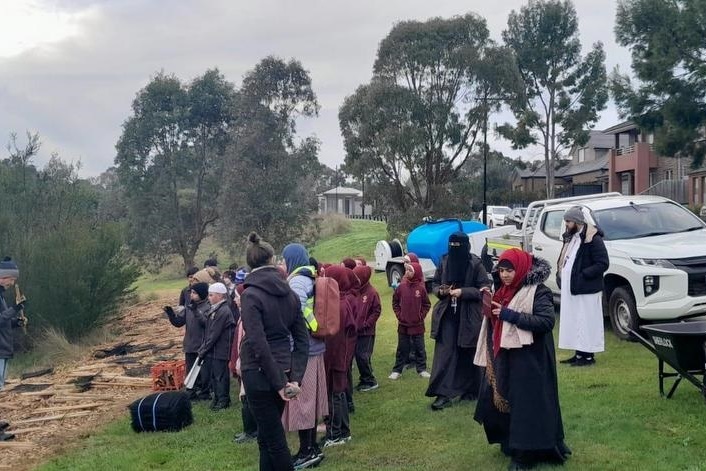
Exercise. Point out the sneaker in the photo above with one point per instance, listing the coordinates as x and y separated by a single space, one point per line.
308 460
244 438
394 375
337 441
425 374
368 387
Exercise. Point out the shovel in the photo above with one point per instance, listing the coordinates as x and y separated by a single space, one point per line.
190 380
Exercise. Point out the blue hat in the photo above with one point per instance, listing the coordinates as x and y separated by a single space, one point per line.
8 268
240 276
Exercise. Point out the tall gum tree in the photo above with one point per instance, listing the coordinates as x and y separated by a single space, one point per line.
668 96
170 161
563 91
412 128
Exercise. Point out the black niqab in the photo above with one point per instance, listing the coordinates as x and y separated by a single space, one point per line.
459 255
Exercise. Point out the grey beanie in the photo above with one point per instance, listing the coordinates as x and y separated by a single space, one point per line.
8 268
574 214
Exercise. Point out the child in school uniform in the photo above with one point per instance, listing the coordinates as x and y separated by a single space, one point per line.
193 316
217 344
411 305
368 315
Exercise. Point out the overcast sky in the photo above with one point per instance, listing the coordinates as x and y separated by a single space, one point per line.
70 69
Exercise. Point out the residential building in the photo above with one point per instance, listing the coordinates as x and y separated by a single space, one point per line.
344 200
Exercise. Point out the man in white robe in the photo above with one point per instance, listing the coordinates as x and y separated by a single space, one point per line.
581 265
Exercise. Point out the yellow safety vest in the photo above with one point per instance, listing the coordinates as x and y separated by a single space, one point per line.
308 311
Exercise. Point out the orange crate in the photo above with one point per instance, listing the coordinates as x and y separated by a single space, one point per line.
168 375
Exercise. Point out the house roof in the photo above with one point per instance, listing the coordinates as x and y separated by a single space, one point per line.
621 127
342 191
584 167
567 170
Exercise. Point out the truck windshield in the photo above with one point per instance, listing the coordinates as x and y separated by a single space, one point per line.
501 210
646 220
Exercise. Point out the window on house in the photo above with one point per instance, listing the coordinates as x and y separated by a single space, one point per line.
582 154
653 178
669 174
651 138
703 190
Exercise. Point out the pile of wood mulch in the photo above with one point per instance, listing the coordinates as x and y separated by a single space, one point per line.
49 409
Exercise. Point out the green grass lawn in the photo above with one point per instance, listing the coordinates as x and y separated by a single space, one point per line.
613 417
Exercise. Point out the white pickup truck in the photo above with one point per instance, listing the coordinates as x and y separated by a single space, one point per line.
657 251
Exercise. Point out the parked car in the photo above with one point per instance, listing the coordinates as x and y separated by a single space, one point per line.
657 251
496 215
516 217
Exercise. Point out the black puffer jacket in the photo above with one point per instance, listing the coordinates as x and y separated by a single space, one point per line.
271 315
590 264
8 321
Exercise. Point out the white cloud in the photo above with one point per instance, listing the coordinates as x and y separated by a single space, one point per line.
75 71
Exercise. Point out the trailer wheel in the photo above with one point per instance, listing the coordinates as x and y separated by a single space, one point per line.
622 312
394 276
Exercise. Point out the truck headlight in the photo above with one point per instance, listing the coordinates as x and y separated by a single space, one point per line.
650 284
653 262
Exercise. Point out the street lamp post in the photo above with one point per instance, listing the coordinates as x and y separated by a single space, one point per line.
485 164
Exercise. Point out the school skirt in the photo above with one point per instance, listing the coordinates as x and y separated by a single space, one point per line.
310 407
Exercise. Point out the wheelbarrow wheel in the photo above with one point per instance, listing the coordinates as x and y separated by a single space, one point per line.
623 313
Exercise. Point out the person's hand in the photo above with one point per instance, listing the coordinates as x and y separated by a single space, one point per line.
455 293
22 322
169 310
496 308
290 391
485 288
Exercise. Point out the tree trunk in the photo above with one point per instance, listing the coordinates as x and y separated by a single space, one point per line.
188 261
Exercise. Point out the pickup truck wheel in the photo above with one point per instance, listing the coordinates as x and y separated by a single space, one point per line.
622 312
395 275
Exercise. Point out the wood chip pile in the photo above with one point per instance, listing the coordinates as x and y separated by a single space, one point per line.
50 408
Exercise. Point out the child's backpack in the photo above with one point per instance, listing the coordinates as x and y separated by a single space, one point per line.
327 306
322 312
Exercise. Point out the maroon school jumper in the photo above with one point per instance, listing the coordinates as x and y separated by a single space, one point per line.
411 304
336 355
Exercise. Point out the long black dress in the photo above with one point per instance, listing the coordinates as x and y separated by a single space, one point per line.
531 430
455 333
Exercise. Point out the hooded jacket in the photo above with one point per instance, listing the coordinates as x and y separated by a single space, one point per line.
219 332
193 316
411 304
370 307
271 314
338 347
591 261
8 321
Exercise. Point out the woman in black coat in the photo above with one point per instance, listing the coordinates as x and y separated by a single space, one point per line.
271 366
518 404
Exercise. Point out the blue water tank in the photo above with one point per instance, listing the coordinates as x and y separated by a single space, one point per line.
431 239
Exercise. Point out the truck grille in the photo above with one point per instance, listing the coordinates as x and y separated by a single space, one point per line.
695 267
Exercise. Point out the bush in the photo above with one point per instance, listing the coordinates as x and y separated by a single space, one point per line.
324 226
74 277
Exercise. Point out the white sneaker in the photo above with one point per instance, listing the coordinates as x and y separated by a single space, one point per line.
425 374
394 375
337 442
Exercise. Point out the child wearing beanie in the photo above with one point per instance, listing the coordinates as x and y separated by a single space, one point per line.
193 316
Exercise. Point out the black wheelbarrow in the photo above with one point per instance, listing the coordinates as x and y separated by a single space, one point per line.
681 345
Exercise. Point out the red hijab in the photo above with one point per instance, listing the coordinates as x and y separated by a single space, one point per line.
413 257
521 261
